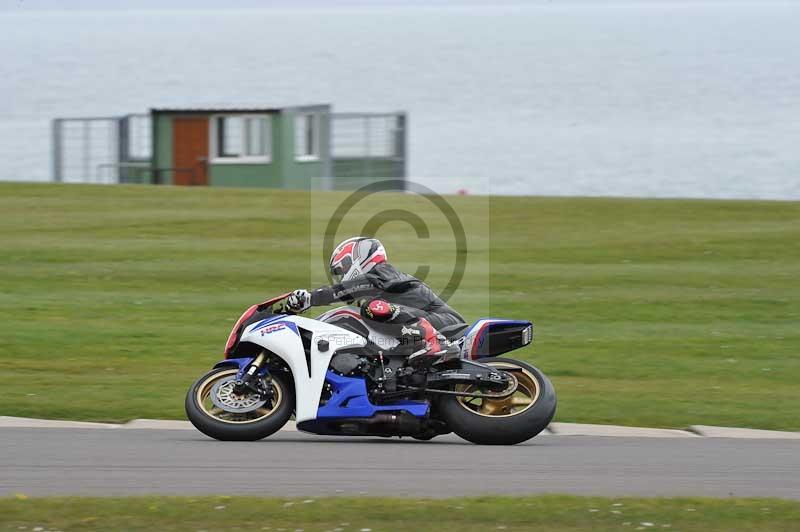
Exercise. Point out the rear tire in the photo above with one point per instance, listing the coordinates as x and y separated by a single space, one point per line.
225 426
504 422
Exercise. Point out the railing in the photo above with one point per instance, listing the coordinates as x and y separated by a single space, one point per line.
81 146
368 145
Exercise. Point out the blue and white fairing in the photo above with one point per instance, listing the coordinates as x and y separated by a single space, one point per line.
281 335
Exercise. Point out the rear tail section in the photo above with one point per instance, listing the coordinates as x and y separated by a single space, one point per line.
490 337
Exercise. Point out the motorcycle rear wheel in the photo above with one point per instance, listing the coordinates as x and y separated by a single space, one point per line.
507 421
251 419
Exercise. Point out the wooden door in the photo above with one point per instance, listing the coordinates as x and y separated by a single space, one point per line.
190 151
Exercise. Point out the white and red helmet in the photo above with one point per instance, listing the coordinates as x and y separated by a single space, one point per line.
356 256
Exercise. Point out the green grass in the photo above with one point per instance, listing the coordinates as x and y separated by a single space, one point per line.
648 312
552 513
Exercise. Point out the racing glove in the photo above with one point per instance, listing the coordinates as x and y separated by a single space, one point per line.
298 301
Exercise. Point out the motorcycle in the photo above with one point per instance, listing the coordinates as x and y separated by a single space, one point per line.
338 376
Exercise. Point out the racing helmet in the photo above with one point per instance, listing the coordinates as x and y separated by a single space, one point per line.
356 256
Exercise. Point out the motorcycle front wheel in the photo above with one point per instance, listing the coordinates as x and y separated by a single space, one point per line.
508 420
216 410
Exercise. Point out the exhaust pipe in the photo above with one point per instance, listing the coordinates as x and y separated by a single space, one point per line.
381 424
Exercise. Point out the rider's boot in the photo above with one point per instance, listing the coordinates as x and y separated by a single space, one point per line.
428 345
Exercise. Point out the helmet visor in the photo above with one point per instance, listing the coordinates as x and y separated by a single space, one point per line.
341 268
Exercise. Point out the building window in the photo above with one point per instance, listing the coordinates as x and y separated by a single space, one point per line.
306 137
242 139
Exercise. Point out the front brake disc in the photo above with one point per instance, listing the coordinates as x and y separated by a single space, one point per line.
224 397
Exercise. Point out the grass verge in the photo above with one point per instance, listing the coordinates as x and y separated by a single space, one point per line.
552 513
648 312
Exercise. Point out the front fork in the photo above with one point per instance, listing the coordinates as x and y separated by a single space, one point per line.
249 380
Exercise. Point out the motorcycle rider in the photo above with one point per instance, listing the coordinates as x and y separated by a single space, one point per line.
394 301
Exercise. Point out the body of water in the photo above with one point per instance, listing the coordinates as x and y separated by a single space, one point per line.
638 98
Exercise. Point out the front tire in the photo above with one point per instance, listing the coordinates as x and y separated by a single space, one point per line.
251 418
506 421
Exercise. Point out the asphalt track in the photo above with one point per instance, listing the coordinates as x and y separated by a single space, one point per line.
41 461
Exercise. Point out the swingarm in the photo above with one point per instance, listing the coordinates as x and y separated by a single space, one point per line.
471 379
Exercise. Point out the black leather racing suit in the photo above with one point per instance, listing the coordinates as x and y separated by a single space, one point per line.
413 298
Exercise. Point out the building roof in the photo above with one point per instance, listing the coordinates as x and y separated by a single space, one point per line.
240 110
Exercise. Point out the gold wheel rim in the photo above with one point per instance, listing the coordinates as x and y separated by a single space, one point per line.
523 398
210 409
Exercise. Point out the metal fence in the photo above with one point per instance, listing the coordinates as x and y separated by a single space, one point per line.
368 145
100 149
119 149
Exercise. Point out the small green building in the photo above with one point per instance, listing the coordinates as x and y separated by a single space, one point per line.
298 147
